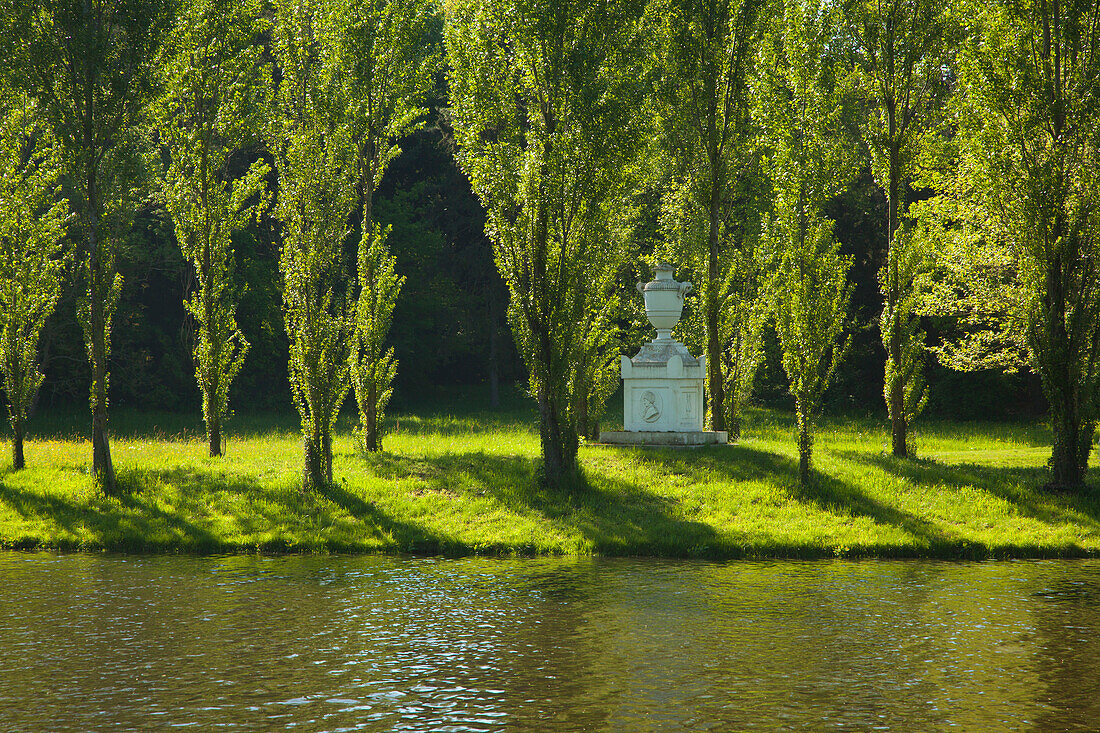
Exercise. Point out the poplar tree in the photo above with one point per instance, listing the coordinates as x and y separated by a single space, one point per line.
215 83
544 107
387 65
313 156
32 225
89 63
901 48
704 61
805 95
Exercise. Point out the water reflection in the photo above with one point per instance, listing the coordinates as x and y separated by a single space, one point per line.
97 642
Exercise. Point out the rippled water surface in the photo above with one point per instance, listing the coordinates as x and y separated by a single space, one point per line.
93 642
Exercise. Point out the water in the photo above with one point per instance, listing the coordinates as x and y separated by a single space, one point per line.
93 642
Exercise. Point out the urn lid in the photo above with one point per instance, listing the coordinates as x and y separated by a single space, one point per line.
663 281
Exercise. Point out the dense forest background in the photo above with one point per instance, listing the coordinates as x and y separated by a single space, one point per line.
449 327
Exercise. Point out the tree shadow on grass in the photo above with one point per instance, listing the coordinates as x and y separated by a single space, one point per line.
741 463
1018 486
186 510
615 517
128 522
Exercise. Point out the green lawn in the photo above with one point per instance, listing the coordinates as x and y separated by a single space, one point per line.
464 483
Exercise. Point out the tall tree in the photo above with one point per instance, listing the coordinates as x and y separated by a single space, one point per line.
388 57
806 92
903 49
544 104
214 81
1028 131
32 225
705 57
313 156
90 65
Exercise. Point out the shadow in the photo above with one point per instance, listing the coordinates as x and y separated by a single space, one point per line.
741 463
212 511
616 517
407 537
1018 486
128 522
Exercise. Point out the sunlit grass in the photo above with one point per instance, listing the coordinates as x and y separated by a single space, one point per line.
464 481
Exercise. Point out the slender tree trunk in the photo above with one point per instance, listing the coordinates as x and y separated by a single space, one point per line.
373 442
1061 383
313 473
805 443
582 416
368 412
896 387
559 455
214 435
1066 467
103 469
734 427
326 446
17 460
716 395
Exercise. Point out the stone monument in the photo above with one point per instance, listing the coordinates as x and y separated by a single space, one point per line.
663 383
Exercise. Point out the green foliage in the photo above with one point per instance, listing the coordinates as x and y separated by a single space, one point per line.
974 282
90 64
806 91
385 68
215 83
703 64
1027 177
316 195
544 106
32 225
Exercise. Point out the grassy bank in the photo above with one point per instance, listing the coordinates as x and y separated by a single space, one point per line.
465 484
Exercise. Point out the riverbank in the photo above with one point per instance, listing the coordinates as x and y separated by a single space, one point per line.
465 484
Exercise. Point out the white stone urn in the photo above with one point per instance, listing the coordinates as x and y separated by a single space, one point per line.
664 301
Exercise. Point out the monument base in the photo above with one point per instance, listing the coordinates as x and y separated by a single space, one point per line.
692 439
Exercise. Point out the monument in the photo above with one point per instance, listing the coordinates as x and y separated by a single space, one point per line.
663 383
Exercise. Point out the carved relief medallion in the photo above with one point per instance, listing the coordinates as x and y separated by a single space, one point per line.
650 406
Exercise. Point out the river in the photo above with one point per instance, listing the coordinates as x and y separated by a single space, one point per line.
109 642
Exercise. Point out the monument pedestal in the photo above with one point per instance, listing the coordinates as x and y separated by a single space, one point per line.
693 439
663 383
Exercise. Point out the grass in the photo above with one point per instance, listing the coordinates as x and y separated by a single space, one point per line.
463 481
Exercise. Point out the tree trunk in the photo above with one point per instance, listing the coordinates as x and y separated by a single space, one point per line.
214 435
17 460
1066 467
805 444
102 468
313 474
716 394
370 438
559 455
896 386
734 427
582 416
326 447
